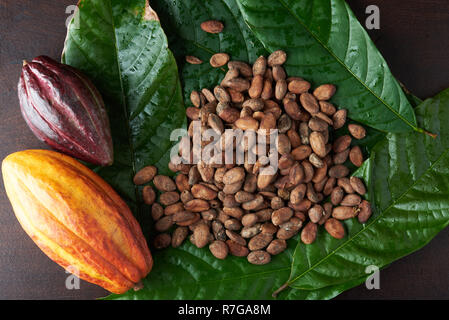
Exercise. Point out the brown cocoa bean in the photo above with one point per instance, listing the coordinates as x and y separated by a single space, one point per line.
179 235
200 191
327 108
357 131
327 213
341 143
197 205
244 69
260 66
356 156
318 143
335 228
341 157
201 234
249 232
182 182
144 175
337 195
232 188
338 171
238 84
309 232
173 208
365 211
164 183
163 224
343 213
148 195
259 257
316 213
329 186
264 215
276 58
218 230
280 89
316 124
339 118
236 249
345 183
324 92
357 185
255 90
168 198
276 246
301 153
233 212
236 237
268 227
186 196
298 193
215 123
193 113
193 60
292 109
253 204
156 211
260 241
351 200
298 86
281 215
250 219
162 241
309 103
219 60
212 26
219 249
247 123
209 215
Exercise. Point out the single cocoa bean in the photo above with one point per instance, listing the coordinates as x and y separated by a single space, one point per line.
148 195
179 235
219 60
219 249
324 92
164 183
212 26
365 211
309 233
144 175
335 228
276 246
343 213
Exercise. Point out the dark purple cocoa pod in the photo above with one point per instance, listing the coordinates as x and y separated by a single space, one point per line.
64 109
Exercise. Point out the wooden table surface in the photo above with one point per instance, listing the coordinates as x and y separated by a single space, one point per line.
414 39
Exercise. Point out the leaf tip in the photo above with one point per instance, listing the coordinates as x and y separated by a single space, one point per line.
150 14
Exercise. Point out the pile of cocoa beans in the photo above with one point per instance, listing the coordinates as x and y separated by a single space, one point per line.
236 209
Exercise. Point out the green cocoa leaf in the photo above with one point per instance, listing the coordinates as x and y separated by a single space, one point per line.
408 187
326 44
121 46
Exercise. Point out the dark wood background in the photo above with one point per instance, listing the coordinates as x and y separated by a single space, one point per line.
414 39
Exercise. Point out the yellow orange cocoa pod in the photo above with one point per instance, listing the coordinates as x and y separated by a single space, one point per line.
76 218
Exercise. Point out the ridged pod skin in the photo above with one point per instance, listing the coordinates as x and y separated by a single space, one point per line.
76 218
64 109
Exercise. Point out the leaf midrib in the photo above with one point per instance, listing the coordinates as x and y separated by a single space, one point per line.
124 103
382 214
